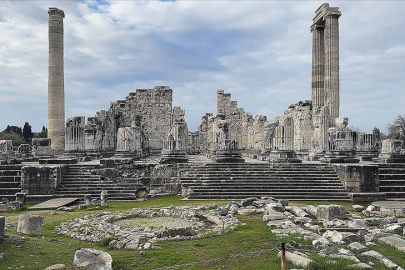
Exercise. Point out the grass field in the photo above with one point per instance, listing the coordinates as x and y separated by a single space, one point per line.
253 241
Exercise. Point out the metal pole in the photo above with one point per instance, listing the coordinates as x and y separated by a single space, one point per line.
283 261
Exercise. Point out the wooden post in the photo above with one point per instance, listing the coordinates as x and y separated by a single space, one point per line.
283 261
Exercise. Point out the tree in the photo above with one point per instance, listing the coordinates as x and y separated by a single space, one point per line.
27 132
396 130
42 134
8 129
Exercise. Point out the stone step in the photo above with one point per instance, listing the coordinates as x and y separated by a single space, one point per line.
391 176
258 180
109 188
10 173
399 194
311 197
252 175
82 177
115 197
9 191
10 167
263 178
388 182
9 197
10 178
391 188
391 165
261 182
253 186
9 185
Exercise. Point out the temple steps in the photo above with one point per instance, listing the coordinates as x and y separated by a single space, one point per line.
10 181
392 179
80 180
281 181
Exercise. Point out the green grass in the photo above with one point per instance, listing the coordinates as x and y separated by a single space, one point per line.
51 248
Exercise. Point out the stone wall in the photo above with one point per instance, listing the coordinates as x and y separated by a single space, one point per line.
233 114
153 107
41 180
358 178
75 135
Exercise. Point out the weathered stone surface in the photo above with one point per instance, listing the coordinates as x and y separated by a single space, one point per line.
360 266
56 267
312 210
329 212
246 212
274 216
30 224
296 259
93 259
248 201
339 237
357 246
322 242
299 212
395 241
358 208
356 223
56 95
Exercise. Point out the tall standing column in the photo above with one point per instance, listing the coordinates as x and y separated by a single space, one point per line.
318 65
332 62
56 92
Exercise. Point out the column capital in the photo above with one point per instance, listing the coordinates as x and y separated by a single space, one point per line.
56 11
316 27
336 14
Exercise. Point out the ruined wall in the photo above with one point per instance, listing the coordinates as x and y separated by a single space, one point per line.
74 134
246 141
301 114
284 133
101 131
179 129
233 114
153 106
41 180
258 132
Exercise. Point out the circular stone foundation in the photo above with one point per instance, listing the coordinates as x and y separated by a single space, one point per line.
143 228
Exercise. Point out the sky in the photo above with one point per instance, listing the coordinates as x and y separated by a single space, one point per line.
259 51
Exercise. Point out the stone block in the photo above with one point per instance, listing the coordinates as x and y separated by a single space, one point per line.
248 201
30 224
296 259
93 259
329 212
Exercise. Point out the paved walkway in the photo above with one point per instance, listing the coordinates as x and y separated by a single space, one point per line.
54 203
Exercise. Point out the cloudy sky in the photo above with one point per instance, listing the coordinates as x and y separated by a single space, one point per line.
259 51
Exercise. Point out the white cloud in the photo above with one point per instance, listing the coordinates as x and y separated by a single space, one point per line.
260 51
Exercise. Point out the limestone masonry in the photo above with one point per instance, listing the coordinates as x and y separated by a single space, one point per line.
56 94
146 123
142 142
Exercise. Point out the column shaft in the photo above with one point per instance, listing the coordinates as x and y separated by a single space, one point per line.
318 65
56 94
332 64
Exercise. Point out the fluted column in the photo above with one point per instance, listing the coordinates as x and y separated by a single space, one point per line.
56 92
318 65
331 40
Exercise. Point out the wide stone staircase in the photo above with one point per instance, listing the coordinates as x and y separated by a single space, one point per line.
392 180
80 180
10 181
281 181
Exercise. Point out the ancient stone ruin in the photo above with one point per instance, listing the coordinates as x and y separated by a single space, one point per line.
141 144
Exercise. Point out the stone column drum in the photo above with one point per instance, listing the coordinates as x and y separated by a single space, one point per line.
332 92
56 92
318 65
